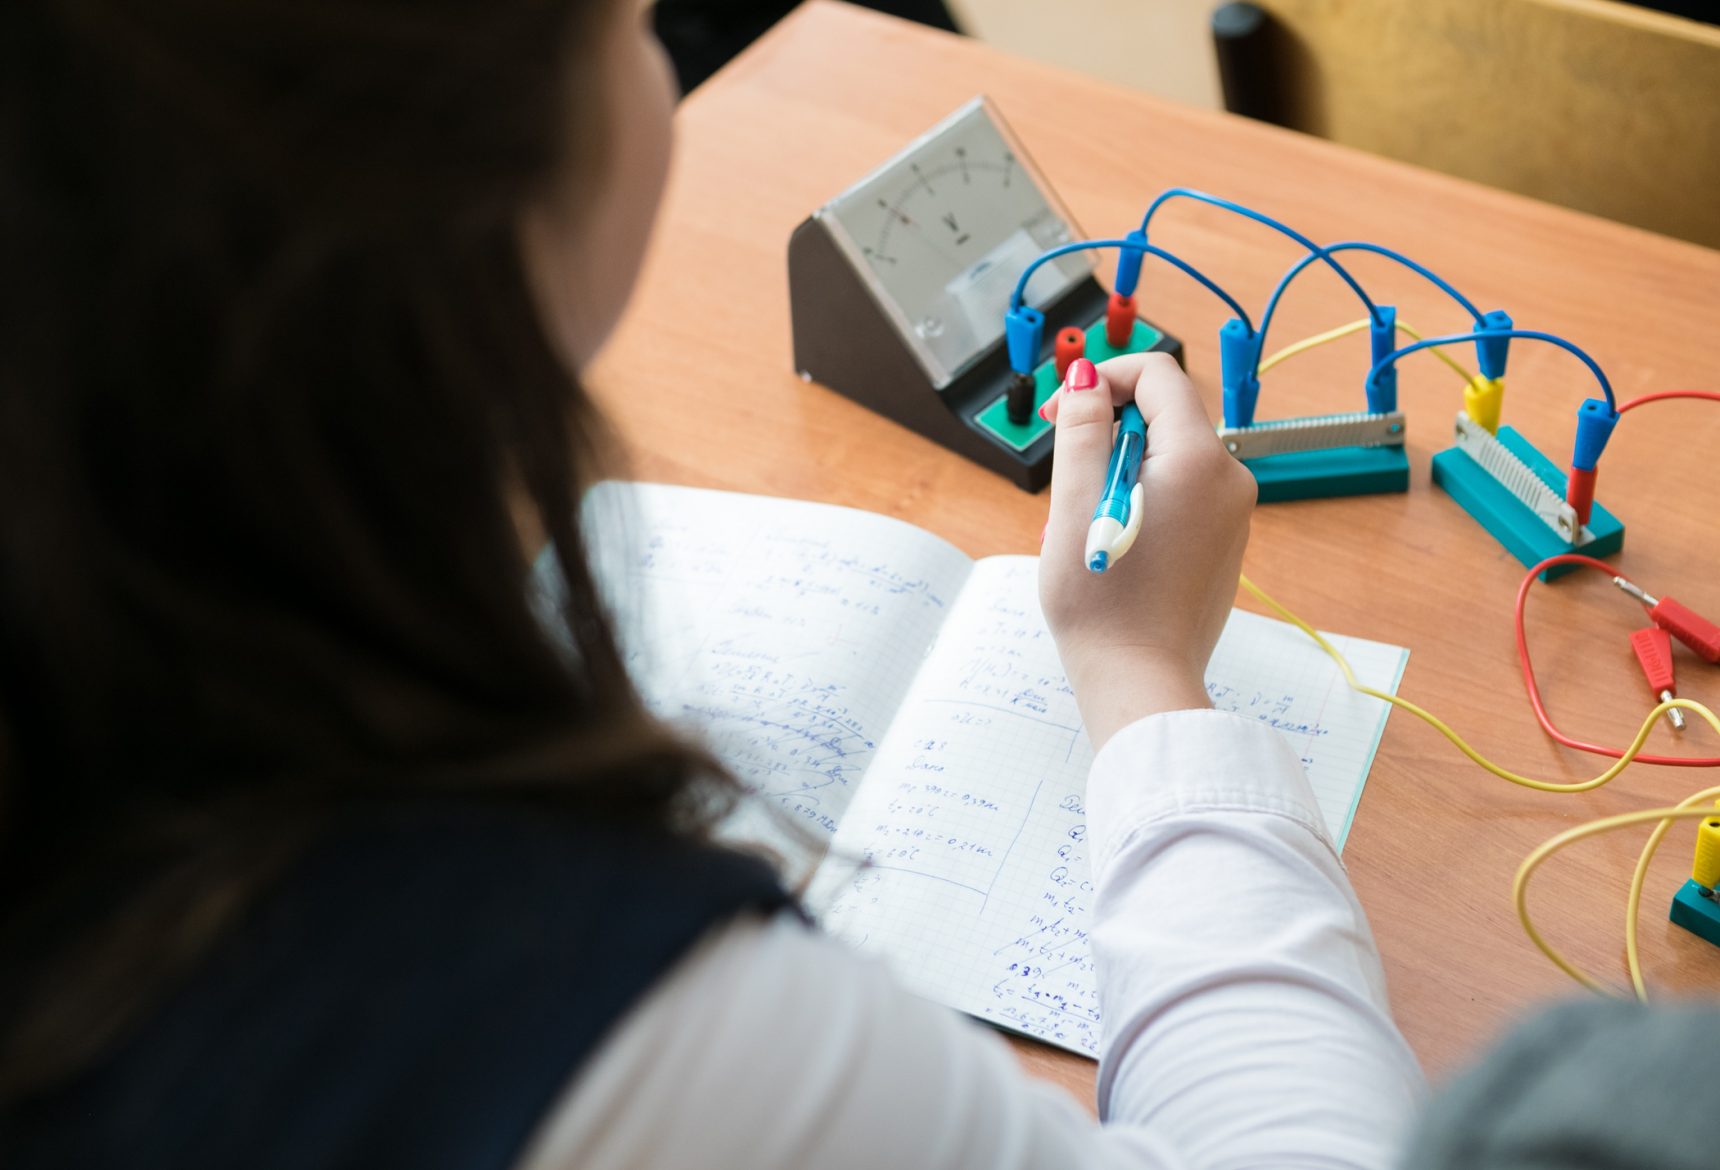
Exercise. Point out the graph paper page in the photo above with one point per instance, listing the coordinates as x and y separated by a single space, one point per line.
972 820
782 634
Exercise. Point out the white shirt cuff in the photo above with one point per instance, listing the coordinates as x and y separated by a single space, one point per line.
1193 761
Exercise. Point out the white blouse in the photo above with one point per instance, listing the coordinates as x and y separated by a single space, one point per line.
1245 1021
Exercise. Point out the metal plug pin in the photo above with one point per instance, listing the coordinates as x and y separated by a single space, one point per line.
1675 715
1636 591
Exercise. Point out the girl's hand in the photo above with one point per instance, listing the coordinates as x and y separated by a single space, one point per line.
1136 638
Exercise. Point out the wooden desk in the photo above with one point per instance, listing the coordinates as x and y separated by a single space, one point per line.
701 384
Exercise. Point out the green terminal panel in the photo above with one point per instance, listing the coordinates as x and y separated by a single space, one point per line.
995 418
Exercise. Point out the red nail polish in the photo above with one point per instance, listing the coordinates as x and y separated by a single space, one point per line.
1045 409
1043 531
1083 374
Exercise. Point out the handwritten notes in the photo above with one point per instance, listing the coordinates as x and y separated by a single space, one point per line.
907 704
972 818
782 633
973 823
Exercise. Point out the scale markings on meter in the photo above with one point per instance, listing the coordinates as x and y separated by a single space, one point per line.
898 287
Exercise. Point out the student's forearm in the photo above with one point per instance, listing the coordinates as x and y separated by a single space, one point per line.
1245 1015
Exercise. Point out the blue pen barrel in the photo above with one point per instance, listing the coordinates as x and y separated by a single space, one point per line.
1125 466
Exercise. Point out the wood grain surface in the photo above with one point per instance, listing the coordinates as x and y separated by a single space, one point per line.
1602 106
700 382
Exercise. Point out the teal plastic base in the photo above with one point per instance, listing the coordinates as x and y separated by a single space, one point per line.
1695 913
995 418
1337 471
1525 535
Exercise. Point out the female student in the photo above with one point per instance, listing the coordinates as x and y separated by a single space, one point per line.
315 849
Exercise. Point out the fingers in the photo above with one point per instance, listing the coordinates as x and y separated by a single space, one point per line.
1160 388
1154 382
1176 418
1121 375
1083 448
1119 392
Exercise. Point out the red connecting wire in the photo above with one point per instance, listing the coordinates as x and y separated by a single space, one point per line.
1529 684
1662 396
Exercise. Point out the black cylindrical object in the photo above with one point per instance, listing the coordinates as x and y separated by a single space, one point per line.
1242 36
1019 404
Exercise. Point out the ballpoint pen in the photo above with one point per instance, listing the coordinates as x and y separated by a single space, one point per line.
1117 518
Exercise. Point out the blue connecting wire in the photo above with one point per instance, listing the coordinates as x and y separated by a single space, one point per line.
1431 276
1526 334
1015 298
1315 251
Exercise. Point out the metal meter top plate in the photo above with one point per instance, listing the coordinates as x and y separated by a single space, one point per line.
941 233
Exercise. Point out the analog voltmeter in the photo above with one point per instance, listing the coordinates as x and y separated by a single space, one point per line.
898 288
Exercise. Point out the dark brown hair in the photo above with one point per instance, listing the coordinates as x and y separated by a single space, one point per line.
271 387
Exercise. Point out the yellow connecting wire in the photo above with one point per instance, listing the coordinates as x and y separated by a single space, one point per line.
1320 339
1685 810
1520 888
1462 745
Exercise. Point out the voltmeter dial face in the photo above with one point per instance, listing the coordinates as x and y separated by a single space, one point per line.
943 231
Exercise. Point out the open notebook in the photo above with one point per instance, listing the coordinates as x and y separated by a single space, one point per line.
905 705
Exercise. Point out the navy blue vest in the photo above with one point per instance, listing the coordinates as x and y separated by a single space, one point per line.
414 993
